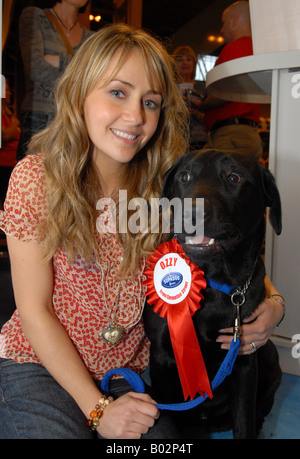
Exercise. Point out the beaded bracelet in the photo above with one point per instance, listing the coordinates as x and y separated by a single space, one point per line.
96 414
280 300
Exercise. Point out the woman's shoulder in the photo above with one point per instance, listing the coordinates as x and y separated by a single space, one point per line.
29 170
31 161
26 199
34 17
30 11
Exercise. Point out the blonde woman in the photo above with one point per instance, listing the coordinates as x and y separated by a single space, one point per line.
120 124
191 89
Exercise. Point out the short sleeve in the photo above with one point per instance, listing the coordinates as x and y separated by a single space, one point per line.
25 203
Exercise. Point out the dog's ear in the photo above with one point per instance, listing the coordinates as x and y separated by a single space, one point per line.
272 197
167 183
168 179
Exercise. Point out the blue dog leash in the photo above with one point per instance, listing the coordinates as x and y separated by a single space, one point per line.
137 383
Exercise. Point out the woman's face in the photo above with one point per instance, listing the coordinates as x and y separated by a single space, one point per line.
121 117
185 65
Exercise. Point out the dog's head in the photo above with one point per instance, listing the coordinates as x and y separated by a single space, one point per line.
236 192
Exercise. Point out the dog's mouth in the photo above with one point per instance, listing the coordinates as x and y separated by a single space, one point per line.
207 244
202 241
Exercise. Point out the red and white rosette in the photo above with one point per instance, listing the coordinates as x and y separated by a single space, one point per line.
174 286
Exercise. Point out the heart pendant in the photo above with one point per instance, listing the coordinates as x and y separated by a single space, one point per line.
112 334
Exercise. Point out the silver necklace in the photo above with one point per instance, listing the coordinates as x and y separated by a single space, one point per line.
113 333
68 29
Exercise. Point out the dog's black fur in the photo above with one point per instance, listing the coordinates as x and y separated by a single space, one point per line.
236 192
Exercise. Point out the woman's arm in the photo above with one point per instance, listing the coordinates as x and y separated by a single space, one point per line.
127 417
52 59
33 286
263 320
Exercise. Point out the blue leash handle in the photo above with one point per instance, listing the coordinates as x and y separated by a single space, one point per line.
138 385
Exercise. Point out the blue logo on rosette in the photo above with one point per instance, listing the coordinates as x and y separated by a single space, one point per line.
172 280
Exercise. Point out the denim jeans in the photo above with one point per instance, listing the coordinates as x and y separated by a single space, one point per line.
34 406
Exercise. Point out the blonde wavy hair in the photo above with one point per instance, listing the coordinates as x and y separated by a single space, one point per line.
72 181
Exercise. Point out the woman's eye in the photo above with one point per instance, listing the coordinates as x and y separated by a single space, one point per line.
117 93
233 178
185 177
151 104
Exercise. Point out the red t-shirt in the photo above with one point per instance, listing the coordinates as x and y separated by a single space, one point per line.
239 48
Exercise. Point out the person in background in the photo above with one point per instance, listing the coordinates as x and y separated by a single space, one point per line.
10 134
233 125
186 62
48 40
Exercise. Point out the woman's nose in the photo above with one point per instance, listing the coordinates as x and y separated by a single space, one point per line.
135 113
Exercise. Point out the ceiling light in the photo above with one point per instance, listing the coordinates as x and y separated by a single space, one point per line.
215 39
95 18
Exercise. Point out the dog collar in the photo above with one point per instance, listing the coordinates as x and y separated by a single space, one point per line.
224 288
237 296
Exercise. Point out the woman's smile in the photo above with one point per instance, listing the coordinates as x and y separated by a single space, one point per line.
124 135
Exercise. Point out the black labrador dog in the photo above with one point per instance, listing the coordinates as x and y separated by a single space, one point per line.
236 192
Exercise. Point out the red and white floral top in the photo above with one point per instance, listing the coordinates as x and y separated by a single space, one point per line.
85 297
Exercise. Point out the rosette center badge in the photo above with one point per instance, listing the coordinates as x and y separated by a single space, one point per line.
172 278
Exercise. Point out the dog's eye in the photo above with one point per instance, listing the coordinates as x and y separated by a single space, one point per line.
233 178
185 177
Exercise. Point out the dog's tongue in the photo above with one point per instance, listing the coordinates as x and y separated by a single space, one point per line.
200 240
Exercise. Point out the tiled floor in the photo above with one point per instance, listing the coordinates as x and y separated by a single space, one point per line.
284 420
282 423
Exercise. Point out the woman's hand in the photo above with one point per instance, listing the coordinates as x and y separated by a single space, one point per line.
263 321
129 416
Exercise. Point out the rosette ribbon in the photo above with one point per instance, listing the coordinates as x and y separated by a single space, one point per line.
174 285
